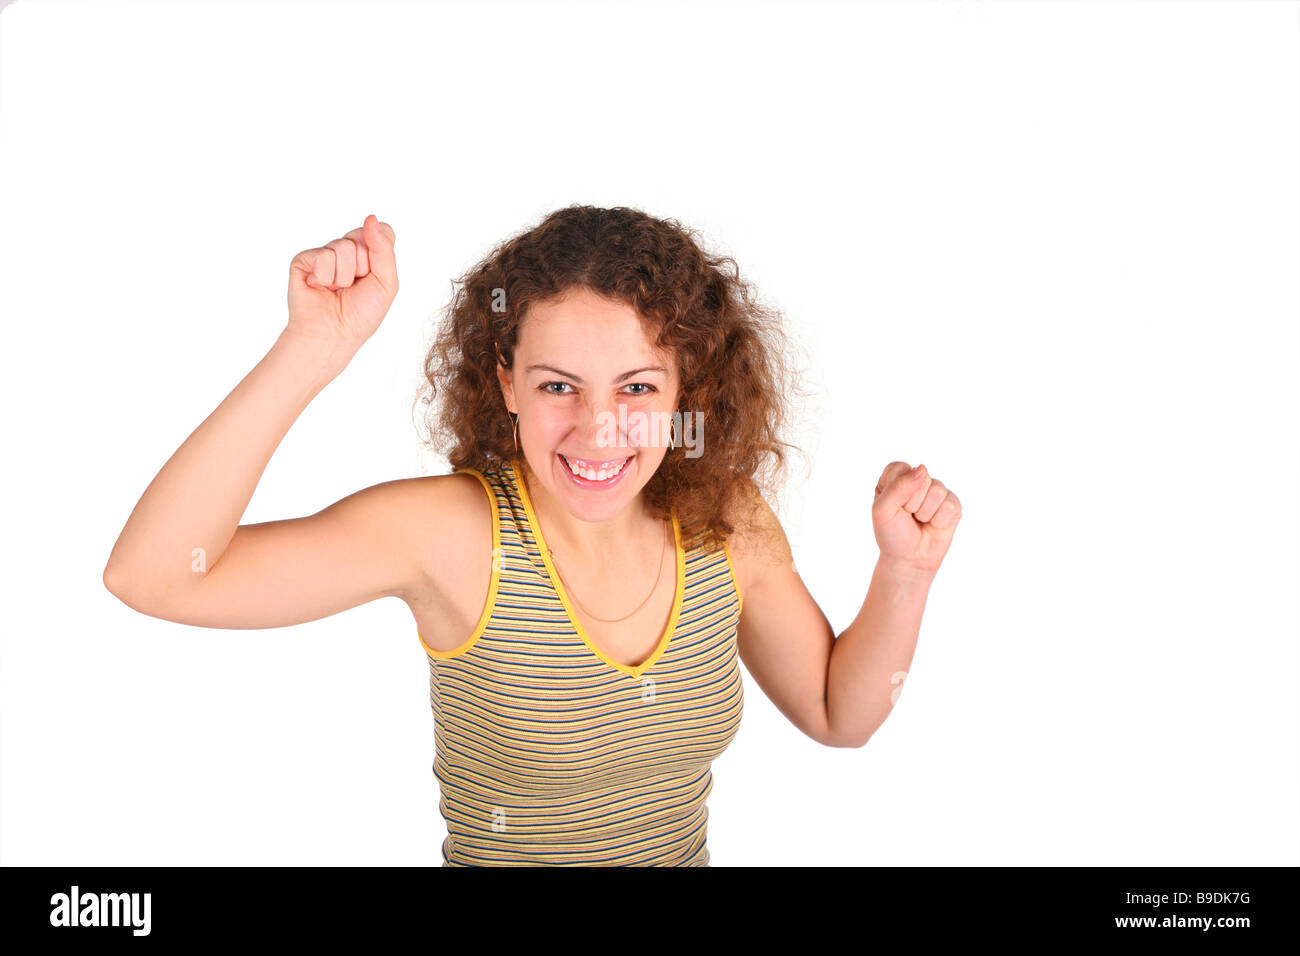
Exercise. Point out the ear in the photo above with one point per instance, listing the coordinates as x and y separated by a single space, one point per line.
507 389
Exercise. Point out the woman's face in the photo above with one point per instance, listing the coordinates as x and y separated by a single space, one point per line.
590 392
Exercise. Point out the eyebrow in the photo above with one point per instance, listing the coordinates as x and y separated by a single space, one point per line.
557 371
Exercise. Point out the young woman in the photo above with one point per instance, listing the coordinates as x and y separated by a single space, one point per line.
587 578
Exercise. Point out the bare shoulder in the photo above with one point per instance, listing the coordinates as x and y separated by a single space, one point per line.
455 519
457 558
435 520
758 542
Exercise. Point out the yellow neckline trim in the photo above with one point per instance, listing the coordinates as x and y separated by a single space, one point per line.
679 555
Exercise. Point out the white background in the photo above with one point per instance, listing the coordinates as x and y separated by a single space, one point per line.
1050 250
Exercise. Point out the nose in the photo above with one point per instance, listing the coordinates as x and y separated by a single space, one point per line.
599 423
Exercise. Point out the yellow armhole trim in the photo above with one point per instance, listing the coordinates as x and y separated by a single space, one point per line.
495 580
735 581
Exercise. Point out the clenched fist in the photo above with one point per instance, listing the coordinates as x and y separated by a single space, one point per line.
340 292
914 517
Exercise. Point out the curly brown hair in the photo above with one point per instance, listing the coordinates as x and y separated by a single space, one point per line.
731 354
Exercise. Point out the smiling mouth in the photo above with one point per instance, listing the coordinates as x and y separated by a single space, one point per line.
596 471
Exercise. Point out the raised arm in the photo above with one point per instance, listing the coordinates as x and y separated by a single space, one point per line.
838 691
182 554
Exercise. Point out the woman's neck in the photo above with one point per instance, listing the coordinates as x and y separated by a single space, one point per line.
590 542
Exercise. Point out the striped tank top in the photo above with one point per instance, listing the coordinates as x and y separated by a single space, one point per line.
549 752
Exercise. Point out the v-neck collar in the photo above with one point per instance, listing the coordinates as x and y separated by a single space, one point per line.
535 527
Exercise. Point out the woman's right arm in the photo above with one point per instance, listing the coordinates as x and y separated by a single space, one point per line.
183 556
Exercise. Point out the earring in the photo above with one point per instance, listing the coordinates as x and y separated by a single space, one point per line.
516 434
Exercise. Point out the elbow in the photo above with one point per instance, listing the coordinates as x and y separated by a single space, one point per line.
843 741
141 590
117 580
113 579
828 735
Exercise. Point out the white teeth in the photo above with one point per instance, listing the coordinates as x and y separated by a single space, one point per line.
592 474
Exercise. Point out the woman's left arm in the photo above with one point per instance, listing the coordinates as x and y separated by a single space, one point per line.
914 517
839 691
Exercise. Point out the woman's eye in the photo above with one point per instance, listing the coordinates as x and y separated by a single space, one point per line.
549 387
